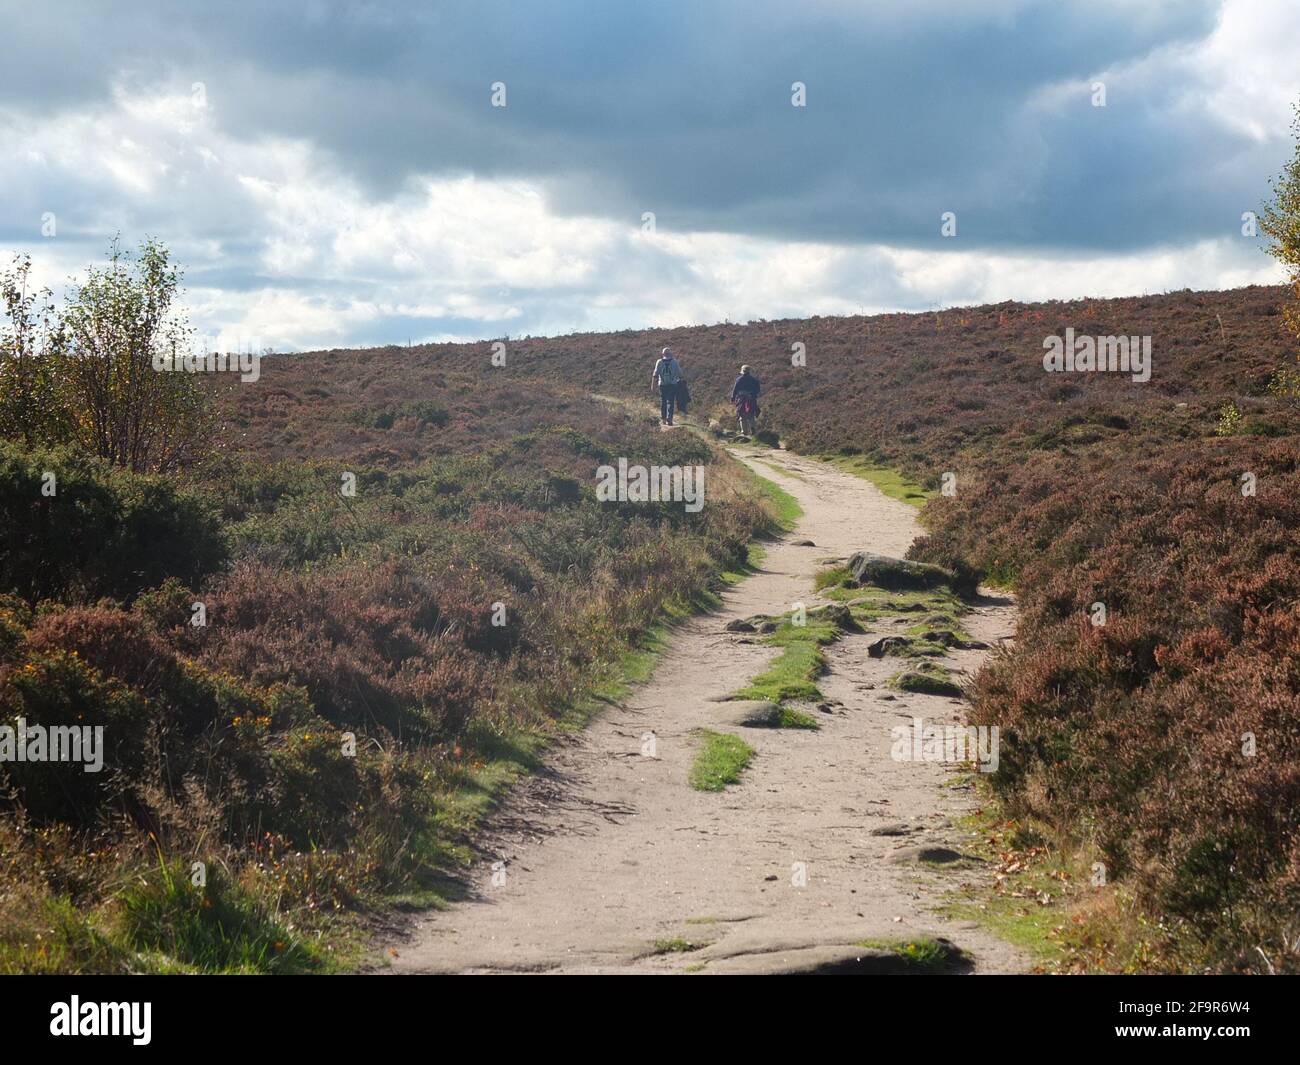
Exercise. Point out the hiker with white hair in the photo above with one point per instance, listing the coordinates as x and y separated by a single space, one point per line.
744 394
667 375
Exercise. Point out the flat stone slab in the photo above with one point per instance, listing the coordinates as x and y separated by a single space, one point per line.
745 713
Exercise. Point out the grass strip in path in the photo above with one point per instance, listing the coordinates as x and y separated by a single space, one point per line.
720 760
793 674
888 480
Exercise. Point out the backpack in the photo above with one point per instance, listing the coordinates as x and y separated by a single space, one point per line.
670 373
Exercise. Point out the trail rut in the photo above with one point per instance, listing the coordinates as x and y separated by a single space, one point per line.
608 852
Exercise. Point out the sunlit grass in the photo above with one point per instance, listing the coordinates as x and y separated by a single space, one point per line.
720 760
889 481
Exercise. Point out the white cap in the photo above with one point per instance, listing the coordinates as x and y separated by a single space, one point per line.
666 352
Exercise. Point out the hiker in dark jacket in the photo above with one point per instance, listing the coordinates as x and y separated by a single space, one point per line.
744 394
667 374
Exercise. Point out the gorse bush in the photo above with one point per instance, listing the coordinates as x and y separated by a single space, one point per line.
169 723
76 528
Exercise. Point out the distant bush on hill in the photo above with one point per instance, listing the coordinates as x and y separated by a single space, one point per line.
385 417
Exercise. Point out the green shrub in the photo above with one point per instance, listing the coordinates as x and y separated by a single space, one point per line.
74 527
421 413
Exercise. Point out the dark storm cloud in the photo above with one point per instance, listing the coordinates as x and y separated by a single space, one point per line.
683 108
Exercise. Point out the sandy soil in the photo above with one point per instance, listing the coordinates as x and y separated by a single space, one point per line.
608 851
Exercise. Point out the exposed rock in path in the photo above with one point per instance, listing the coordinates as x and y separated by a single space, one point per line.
889 645
948 638
758 623
829 959
898 574
838 615
931 855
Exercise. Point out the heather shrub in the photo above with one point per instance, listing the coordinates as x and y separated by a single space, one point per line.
1176 716
380 647
259 753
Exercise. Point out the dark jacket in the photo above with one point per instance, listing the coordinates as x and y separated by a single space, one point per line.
746 385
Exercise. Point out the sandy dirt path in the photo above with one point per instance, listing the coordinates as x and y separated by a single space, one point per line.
608 851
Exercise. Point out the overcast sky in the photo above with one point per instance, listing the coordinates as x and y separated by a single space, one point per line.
339 176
